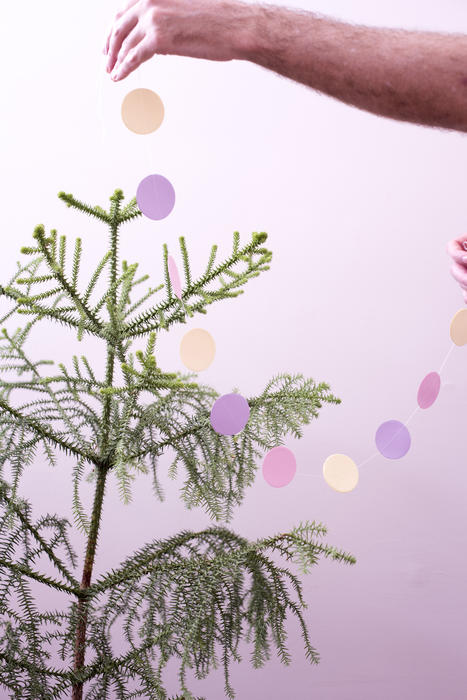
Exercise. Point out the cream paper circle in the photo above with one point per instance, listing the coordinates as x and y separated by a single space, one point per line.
459 328
197 349
142 111
340 473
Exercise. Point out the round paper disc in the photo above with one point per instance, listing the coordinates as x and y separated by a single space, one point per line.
142 111
174 276
155 196
429 390
393 439
197 349
340 473
279 466
230 414
459 328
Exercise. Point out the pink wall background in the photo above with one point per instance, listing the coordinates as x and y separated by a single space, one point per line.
359 210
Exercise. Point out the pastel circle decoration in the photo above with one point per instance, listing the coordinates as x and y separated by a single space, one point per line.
393 439
429 390
340 473
279 467
174 276
197 349
458 328
230 414
155 197
142 111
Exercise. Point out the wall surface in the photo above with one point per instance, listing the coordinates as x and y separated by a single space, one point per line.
358 210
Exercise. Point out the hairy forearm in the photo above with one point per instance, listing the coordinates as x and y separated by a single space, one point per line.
418 77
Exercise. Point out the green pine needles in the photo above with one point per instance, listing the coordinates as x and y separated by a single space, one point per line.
197 596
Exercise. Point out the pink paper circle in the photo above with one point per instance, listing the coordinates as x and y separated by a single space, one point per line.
174 276
279 466
230 414
155 197
429 390
393 439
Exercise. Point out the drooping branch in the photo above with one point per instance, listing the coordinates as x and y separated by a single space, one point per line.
28 525
47 434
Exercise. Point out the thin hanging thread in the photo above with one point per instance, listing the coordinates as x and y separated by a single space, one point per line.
100 98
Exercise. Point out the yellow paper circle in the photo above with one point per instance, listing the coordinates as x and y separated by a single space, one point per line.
459 328
142 111
197 349
340 473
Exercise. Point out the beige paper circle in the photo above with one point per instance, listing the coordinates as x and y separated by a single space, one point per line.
142 111
340 473
197 349
459 328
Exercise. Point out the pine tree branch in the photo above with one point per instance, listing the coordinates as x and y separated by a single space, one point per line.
33 369
13 506
49 435
81 305
151 319
26 571
97 212
26 665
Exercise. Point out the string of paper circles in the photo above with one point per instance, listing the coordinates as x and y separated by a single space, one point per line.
143 113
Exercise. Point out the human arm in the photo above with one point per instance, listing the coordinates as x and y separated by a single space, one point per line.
418 77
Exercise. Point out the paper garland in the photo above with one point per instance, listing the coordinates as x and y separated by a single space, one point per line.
143 112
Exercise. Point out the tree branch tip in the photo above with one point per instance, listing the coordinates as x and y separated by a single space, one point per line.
39 231
117 196
67 198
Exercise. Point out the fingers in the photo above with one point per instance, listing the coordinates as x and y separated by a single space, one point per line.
134 58
459 272
456 250
119 33
119 14
132 40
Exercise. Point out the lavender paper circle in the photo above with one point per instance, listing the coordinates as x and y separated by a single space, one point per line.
155 197
393 439
279 466
230 414
429 389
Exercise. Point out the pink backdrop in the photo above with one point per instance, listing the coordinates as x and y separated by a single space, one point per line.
359 210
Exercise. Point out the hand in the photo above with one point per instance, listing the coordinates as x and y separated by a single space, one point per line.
212 29
458 253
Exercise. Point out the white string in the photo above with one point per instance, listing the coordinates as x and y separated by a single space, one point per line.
446 358
100 97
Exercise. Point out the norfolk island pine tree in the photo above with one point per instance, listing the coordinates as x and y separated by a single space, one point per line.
194 596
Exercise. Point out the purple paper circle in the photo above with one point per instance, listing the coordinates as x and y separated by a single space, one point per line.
155 197
429 389
279 466
393 439
230 414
